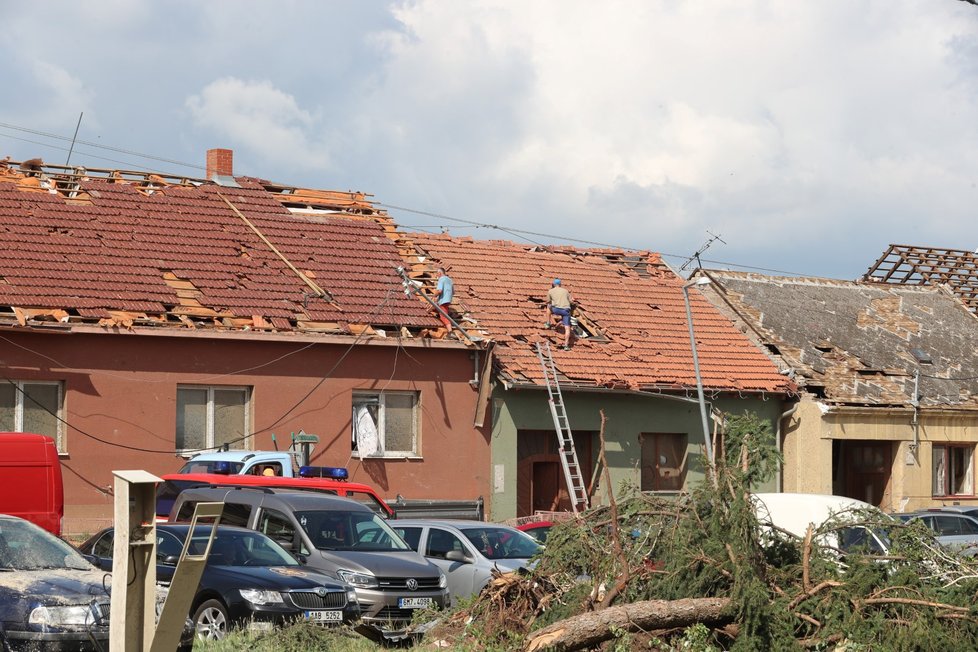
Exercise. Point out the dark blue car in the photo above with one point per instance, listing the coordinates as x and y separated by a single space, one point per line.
249 580
51 598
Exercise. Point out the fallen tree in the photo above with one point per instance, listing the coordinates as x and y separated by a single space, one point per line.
637 564
589 629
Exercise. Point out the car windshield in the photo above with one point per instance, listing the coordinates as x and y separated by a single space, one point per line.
239 548
24 547
337 530
501 543
209 466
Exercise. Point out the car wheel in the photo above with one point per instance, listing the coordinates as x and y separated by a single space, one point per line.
211 621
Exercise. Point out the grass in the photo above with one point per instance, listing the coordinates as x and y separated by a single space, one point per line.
299 637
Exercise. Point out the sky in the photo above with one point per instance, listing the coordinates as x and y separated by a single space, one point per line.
808 136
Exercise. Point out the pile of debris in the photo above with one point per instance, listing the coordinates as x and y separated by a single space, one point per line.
646 569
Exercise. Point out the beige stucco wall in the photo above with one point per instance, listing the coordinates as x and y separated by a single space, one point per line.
807 448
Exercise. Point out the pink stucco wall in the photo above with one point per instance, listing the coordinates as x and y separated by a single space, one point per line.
120 401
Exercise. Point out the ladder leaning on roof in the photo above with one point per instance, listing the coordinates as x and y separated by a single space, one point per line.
565 438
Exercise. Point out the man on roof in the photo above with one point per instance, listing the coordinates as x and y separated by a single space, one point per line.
559 300
446 288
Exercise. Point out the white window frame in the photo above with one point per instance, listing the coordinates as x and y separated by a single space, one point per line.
942 470
59 436
209 442
381 425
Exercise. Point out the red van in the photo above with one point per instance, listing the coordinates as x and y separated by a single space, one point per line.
30 479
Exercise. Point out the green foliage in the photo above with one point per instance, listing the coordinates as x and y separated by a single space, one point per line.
708 543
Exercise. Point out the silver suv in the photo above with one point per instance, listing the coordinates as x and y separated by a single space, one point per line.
339 537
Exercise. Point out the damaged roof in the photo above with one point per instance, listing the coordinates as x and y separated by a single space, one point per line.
855 343
909 265
631 303
130 248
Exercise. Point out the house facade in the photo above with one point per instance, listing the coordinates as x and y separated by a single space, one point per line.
630 366
146 317
888 376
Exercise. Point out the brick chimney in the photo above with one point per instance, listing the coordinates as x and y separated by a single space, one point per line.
220 162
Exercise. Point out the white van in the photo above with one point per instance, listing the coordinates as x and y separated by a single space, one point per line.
795 512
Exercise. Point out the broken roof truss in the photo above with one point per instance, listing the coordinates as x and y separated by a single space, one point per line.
909 265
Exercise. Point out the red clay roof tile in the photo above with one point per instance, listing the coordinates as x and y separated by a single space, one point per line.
112 250
637 304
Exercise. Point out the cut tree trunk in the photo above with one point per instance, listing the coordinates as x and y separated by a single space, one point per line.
594 627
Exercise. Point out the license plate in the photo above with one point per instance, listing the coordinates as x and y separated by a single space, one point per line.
321 616
415 603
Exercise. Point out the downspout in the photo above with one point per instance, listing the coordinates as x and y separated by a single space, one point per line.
777 442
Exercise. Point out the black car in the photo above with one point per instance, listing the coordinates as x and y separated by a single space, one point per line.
249 580
51 598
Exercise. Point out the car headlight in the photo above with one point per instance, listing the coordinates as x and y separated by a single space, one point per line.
358 580
351 595
80 615
261 596
442 580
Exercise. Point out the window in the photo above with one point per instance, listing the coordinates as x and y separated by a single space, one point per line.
411 536
952 473
442 542
277 526
32 407
663 461
167 546
104 546
209 417
386 424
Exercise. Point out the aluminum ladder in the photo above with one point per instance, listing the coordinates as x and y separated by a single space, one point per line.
565 438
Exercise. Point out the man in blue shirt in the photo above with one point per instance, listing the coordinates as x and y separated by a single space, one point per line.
445 290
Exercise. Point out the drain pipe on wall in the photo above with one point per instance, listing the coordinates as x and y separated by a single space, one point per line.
777 442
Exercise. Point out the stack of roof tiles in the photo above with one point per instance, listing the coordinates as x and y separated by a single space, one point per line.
175 251
635 300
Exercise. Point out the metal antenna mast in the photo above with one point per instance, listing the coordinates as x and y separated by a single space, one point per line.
73 138
706 245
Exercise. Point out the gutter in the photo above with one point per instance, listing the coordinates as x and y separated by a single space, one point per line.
777 442
239 335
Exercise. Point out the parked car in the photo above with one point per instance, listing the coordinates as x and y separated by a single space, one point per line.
468 551
794 512
31 486
967 510
955 531
539 530
249 580
280 463
341 538
51 597
316 479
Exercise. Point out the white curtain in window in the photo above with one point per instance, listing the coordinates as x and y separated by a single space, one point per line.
939 471
365 430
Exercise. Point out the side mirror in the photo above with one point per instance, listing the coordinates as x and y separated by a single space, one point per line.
457 555
93 560
171 560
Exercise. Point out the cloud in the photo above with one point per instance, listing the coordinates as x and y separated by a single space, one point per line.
782 125
809 135
260 118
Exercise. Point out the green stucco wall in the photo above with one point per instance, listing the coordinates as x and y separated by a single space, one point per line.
627 416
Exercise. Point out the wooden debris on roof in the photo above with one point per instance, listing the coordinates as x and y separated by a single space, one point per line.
40 314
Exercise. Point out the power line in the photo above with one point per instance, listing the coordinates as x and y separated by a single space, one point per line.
110 148
565 238
128 164
519 233
349 349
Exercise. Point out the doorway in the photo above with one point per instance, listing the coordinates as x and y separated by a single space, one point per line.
861 470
